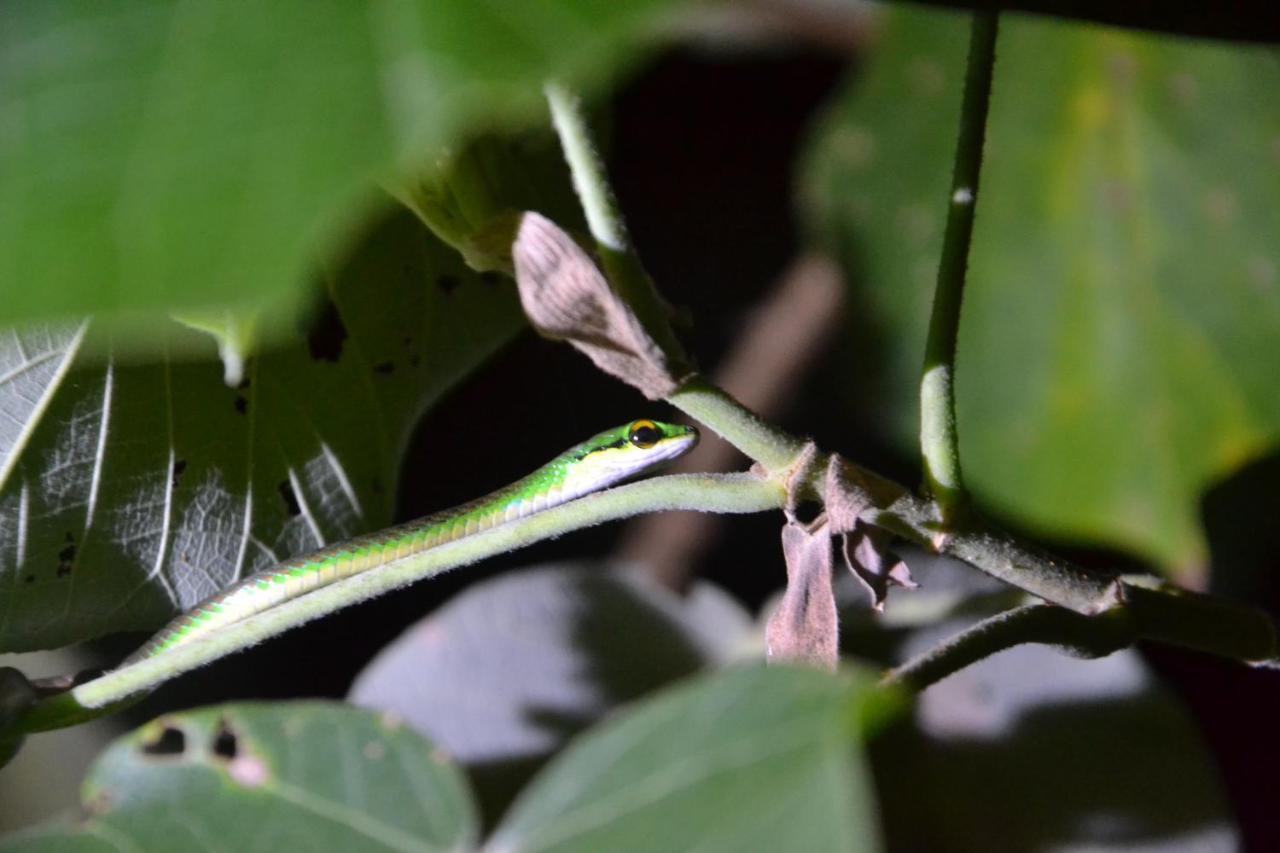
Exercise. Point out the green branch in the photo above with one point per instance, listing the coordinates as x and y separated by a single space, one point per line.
604 217
1088 636
1162 614
762 442
939 441
730 493
1000 555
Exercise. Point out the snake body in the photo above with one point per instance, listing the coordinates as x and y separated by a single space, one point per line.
596 463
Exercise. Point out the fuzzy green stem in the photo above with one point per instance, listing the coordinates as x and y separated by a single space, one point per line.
939 440
1091 636
604 218
736 424
729 493
1018 563
1160 614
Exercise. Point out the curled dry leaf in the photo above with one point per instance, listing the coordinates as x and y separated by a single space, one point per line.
804 629
865 548
566 297
866 553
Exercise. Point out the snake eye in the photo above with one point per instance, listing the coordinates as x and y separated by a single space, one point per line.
643 434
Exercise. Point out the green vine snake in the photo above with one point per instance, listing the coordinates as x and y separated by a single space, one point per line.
598 462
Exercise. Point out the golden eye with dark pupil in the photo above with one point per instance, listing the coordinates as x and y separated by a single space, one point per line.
644 434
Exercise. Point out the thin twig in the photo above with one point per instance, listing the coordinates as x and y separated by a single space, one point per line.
1155 613
1089 636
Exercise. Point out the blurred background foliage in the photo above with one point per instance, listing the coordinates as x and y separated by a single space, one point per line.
165 155
1117 349
1117 353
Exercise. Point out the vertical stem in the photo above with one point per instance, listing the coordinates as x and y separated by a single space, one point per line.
589 181
621 264
939 442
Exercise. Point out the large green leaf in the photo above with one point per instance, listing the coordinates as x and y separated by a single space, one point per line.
306 776
750 759
1118 344
131 490
182 153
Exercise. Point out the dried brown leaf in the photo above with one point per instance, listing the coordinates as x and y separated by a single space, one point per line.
865 548
867 554
804 629
846 498
566 297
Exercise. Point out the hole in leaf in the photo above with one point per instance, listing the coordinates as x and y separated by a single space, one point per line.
66 560
326 333
179 468
225 743
242 404
289 498
170 741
